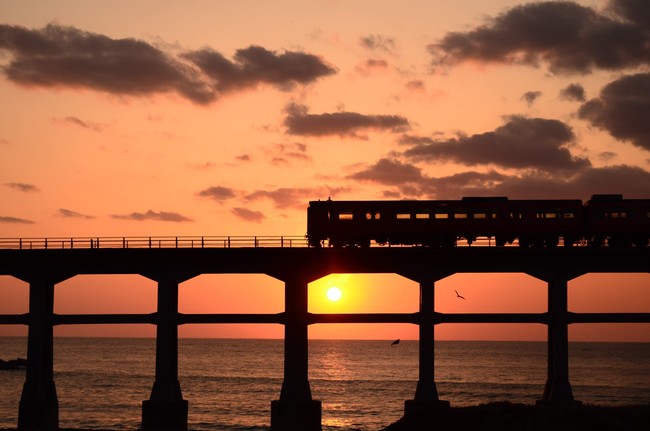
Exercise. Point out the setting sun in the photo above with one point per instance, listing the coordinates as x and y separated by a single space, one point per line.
334 294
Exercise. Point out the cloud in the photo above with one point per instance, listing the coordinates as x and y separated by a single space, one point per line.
574 92
632 181
248 215
255 65
622 109
300 122
153 215
566 36
60 56
297 198
217 193
75 121
7 219
62 212
376 42
520 143
284 155
389 172
531 96
27 188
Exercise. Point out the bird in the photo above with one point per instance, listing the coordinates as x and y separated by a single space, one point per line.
458 295
394 342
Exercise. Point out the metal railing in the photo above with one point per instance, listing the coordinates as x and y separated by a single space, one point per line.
293 241
152 242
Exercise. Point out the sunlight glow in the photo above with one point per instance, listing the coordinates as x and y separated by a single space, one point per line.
334 294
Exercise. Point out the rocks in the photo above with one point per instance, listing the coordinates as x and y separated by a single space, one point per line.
13 364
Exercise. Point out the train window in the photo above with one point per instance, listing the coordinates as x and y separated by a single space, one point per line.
460 215
568 215
403 216
377 216
345 215
480 215
445 215
422 215
616 215
514 216
368 216
547 215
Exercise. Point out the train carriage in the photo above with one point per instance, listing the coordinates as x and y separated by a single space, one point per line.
617 222
441 223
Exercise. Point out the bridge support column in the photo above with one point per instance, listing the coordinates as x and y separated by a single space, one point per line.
558 388
296 410
426 399
39 405
166 409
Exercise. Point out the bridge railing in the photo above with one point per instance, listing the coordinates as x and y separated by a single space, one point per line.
153 242
193 242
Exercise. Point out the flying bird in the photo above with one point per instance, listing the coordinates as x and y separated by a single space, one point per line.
458 295
394 342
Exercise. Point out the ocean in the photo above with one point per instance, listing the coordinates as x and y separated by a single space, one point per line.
230 383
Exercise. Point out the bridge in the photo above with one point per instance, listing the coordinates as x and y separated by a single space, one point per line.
169 261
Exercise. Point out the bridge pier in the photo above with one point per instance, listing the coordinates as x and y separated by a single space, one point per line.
296 410
558 388
39 404
166 409
426 401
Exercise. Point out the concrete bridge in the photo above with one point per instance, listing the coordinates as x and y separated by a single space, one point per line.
170 262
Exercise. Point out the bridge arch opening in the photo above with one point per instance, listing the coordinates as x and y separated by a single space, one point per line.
105 294
610 293
15 300
491 293
231 293
363 293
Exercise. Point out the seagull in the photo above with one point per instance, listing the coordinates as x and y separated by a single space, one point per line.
458 295
394 342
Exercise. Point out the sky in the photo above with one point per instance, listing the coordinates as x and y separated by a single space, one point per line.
226 118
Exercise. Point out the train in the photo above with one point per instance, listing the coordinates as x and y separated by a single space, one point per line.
602 221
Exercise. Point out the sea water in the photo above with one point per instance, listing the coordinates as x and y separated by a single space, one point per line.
230 383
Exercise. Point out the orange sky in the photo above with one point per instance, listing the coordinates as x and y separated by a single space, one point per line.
226 118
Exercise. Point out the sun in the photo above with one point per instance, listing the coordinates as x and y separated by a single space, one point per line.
334 294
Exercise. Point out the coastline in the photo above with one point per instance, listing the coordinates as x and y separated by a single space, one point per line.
505 416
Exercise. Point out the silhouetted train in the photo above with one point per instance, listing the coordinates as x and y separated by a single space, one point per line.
604 220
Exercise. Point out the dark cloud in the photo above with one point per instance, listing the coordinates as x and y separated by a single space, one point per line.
218 193
249 215
153 215
520 143
378 42
8 219
27 188
631 181
531 96
297 197
62 212
256 65
58 56
300 122
574 92
389 172
622 109
636 11
566 36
